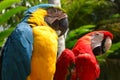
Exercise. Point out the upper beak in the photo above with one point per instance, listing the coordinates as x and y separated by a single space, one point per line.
63 26
108 43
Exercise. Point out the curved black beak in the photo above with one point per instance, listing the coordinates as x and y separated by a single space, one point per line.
98 51
57 19
63 26
60 25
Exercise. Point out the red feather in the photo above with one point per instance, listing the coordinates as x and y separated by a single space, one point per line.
86 66
63 64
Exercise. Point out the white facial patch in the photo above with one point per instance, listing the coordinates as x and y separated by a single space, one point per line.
96 40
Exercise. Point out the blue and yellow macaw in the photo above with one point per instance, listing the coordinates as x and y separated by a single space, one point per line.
30 52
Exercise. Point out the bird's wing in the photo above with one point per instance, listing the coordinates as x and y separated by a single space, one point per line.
16 54
87 67
64 65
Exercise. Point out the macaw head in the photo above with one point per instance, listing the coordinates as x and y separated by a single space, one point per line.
57 19
101 41
47 14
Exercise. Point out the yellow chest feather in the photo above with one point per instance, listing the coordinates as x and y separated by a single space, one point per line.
44 53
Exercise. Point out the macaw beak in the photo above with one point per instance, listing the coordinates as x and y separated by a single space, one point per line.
57 19
63 26
59 25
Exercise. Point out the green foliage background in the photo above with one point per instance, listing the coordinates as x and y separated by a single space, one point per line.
84 16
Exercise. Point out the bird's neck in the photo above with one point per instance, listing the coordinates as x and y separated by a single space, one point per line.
82 46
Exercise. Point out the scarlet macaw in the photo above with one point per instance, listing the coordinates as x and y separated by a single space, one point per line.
80 63
30 51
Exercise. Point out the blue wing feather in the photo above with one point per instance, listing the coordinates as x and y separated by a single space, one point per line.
16 54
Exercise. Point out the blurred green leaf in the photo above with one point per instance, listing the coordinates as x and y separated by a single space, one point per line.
75 34
115 15
7 3
115 46
4 17
79 31
5 34
114 51
79 12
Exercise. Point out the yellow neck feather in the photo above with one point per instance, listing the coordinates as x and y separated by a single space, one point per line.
37 18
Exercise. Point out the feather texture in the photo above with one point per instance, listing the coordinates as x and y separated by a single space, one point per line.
30 52
44 53
85 66
16 55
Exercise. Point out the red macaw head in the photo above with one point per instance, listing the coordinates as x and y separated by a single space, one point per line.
83 57
101 41
85 50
